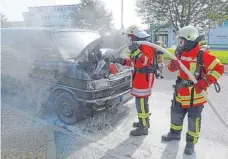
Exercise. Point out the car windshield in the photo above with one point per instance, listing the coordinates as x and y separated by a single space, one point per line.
70 44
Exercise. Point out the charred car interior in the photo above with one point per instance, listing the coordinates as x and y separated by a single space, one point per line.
71 63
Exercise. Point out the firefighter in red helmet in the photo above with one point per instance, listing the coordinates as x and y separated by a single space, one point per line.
207 69
141 58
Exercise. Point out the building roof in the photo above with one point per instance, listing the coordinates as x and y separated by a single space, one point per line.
54 6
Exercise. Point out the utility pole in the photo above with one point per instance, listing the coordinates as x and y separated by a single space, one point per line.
122 25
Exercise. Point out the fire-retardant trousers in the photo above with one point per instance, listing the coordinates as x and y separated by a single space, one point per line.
194 121
142 107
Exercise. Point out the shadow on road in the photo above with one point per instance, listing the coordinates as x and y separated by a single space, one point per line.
126 148
171 150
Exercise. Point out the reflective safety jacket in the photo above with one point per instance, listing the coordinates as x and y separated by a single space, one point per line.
213 71
142 82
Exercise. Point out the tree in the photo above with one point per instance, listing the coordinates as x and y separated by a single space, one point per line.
4 23
220 15
93 15
178 13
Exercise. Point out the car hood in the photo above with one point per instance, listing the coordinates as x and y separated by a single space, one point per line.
109 42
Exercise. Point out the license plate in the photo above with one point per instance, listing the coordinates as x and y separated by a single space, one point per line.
124 97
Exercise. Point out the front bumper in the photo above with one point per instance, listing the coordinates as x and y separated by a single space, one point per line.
108 102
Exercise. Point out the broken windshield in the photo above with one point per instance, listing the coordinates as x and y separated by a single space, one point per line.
70 44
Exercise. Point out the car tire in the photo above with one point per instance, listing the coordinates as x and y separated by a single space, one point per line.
68 109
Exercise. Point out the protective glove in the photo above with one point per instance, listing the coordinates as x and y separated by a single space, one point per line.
200 85
174 65
133 47
118 60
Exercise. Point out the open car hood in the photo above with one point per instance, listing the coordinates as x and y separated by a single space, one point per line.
109 42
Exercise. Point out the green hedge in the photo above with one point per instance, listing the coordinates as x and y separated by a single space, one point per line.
222 55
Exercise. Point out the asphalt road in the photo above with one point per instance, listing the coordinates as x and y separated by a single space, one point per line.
106 135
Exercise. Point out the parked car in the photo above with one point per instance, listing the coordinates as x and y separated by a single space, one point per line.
67 67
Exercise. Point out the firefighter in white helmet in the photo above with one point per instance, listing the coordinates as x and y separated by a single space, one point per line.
141 58
187 97
160 60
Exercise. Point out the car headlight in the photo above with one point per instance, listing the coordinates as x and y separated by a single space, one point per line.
98 84
101 84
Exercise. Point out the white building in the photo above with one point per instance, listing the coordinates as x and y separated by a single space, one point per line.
218 36
58 16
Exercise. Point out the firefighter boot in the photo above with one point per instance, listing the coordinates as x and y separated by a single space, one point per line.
171 136
136 124
140 130
189 148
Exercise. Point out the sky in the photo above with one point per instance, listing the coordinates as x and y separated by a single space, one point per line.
14 8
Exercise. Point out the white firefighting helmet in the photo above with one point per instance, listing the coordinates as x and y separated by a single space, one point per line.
135 30
189 33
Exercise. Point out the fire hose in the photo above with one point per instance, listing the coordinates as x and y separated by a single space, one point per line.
188 73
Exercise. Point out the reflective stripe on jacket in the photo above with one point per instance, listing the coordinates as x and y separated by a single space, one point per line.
213 71
142 83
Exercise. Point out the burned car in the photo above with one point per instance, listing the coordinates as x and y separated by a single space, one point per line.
70 65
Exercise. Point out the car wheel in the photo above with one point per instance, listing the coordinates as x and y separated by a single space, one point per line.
68 109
